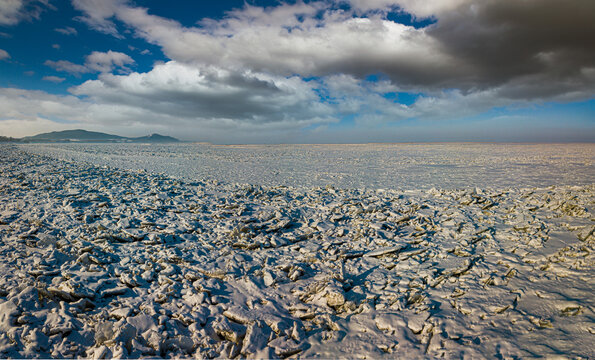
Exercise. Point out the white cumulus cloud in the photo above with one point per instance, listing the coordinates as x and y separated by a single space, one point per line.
95 62
97 14
14 11
108 61
67 66
210 93
54 79
4 54
67 30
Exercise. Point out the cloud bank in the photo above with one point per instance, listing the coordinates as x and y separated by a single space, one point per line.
307 65
472 45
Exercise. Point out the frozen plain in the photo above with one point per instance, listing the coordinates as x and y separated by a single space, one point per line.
371 166
469 250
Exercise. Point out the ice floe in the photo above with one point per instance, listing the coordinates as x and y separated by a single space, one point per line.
100 262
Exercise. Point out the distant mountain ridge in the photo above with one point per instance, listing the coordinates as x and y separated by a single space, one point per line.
80 135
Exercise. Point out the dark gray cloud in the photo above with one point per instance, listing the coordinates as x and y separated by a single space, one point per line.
546 43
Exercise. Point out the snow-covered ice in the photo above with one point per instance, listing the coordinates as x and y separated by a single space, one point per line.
102 259
371 166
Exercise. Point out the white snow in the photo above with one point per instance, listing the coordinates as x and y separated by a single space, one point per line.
370 166
99 259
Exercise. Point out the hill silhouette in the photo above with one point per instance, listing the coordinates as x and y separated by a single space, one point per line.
80 135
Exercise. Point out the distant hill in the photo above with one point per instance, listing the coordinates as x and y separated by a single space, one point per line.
74 135
93 136
8 139
155 138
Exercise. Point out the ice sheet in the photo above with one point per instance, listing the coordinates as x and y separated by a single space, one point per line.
374 166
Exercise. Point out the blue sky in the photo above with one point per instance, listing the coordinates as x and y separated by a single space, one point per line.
298 72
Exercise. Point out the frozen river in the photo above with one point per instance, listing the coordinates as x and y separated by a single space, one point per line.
375 166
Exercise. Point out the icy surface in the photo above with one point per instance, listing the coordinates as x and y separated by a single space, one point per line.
373 166
100 262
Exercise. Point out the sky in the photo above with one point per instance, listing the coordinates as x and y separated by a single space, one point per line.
337 71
